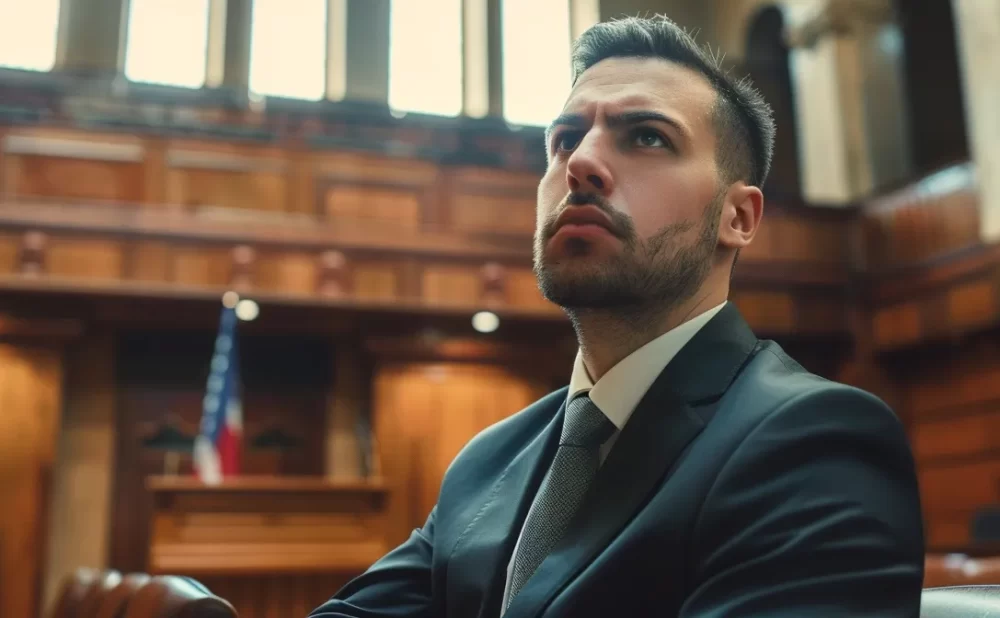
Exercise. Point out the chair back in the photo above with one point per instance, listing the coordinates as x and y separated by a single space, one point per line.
104 583
116 601
72 593
961 602
169 596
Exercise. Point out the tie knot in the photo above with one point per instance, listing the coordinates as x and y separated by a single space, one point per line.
585 425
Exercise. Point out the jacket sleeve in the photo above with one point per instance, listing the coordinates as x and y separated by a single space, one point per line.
397 586
817 513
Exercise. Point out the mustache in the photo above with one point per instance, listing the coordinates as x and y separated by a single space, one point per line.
620 224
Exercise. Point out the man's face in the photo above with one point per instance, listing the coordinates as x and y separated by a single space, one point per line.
628 209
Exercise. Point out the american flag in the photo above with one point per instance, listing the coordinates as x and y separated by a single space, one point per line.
217 447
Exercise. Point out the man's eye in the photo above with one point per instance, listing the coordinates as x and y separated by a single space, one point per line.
648 138
565 141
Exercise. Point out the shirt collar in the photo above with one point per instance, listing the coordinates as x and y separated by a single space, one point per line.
619 391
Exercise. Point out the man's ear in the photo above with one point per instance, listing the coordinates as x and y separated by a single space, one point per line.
742 209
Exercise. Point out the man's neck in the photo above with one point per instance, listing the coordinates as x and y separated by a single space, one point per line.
607 336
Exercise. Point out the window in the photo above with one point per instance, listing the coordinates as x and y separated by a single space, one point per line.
28 33
167 42
536 65
425 57
288 48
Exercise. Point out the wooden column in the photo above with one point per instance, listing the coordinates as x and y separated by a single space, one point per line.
80 518
31 376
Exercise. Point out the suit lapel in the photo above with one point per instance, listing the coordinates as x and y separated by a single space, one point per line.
480 556
670 415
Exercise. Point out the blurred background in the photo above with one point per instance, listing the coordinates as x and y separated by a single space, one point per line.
265 265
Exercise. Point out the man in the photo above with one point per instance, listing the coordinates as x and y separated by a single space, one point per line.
689 469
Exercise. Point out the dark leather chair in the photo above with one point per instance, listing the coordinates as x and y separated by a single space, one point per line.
117 599
74 589
102 584
169 596
961 602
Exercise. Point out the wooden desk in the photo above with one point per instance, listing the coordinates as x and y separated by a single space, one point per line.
281 543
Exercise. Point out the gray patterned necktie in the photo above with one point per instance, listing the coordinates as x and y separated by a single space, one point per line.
585 428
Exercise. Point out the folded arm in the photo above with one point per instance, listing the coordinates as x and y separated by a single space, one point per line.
397 586
817 513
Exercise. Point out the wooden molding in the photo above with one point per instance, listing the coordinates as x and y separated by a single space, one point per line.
37 145
183 158
39 330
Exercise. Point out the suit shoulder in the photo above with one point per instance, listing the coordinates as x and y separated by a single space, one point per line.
786 381
775 392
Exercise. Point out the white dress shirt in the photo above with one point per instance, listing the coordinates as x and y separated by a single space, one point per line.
619 391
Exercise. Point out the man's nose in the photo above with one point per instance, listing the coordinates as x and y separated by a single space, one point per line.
587 169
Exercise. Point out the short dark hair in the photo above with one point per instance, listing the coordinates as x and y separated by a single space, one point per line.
743 121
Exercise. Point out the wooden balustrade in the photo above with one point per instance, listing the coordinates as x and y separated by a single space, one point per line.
91 213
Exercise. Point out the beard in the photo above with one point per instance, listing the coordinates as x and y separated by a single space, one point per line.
656 272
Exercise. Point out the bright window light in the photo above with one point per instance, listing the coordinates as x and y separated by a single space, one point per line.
536 67
425 57
167 42
288 48
28 34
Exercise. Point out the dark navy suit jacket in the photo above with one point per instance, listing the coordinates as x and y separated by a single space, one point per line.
742 485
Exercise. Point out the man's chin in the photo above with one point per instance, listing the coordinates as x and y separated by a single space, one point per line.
577 288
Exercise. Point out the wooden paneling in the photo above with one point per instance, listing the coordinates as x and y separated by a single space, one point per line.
85 258
31 376
424 413
208 188
392 207
451 285
935 216
492 202
376 281
522 290
944 300
50 177
286 272
10 244
953 401
212 175
191 265
73 165
493 214
764 310
802 234
276 596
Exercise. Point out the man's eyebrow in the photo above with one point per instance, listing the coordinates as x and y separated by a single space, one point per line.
635 117
577 121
